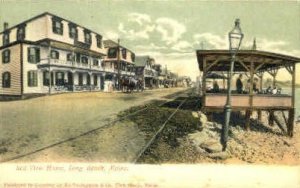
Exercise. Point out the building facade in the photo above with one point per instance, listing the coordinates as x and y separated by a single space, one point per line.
49 54
144 69
120 61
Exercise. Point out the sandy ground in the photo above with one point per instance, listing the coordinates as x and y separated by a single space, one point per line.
31 124
263 144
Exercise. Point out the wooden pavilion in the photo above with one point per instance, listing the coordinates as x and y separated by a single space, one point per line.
251 63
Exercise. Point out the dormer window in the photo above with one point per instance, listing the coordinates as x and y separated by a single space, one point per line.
5 38
124 53
132 57
87 37
21 33
73 31
112 53
99 41
57 26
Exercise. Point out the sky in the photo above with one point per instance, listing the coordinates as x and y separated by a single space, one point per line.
171 31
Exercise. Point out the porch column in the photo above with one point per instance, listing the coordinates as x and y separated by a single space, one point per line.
102 80
54 77
90 75
73 80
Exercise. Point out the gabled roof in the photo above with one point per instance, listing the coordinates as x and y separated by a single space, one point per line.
112 44
44 14
141 61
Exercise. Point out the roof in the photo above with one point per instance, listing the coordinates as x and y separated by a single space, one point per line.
141 61
219 60
111 44
44 14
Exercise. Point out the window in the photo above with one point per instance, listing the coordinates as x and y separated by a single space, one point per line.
33 55
132 57
124 53
73 31
57 26
59 78
32 78
54 54
88 79
99 41
112 53
95 62
80 79
5 38
78 56
87 37
6 56
95 80
6 80
70 57
46 78
21 33
84 60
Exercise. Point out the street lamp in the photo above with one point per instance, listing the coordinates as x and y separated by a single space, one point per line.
235 39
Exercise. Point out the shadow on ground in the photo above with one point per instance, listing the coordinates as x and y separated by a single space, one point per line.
238 120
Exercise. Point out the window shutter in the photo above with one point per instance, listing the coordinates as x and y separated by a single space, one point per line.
28 78
29 59
3 57
53 26
62 27
8 56
37 55
34 78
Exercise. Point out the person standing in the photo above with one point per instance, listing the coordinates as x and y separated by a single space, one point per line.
239 84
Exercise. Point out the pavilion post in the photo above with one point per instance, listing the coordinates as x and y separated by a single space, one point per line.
204 82
259 112
292 110
249 111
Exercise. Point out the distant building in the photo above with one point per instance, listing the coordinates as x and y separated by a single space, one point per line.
117 56
144 67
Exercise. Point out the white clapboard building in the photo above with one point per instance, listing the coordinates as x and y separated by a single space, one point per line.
49 54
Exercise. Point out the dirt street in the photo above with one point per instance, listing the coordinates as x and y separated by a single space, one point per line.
32 124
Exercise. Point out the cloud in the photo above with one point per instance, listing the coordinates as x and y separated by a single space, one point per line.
211 41
139 18
112 35
141 26
182 46
170 29
138 27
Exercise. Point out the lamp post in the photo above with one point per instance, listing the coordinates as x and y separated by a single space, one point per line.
235 39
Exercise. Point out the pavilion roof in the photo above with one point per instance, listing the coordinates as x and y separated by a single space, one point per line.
219 60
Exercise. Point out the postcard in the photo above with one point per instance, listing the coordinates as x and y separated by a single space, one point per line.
148 94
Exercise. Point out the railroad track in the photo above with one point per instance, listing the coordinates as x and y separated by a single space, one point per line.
111 123
159 131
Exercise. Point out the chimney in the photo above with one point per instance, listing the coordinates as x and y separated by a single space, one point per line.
254 44
5 26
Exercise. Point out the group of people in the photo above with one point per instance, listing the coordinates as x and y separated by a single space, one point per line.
269 90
